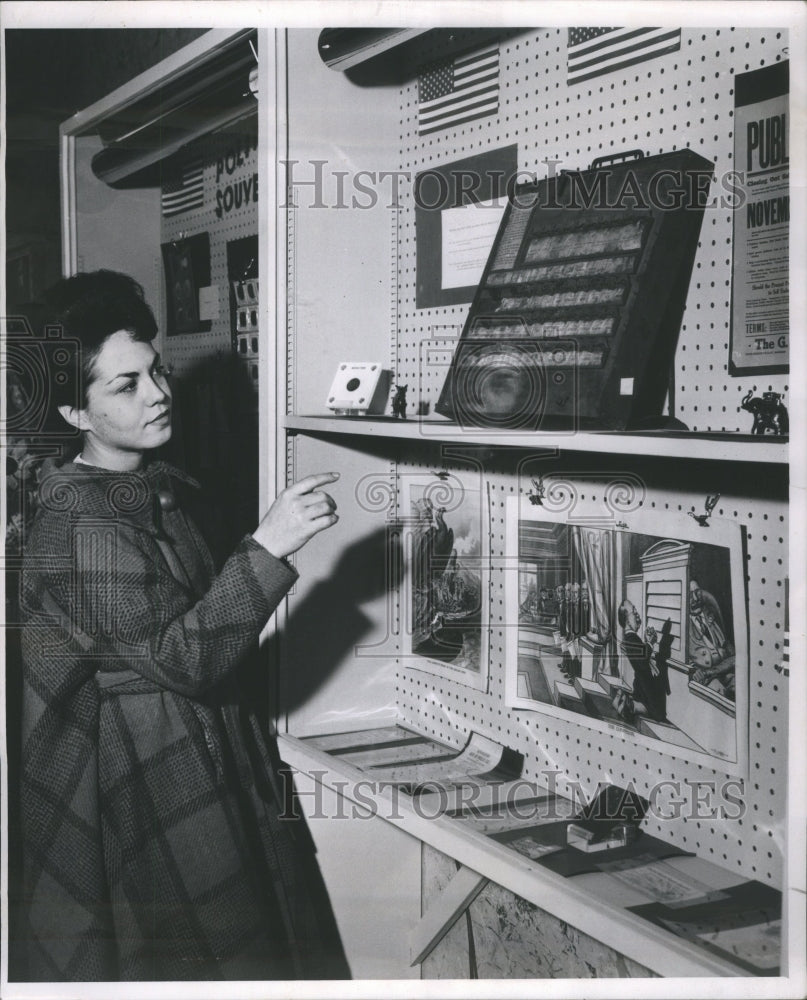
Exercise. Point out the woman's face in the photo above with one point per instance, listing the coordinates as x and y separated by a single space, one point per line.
128 407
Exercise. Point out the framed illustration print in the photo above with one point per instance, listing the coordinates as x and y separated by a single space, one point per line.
187 269
447 582
637 627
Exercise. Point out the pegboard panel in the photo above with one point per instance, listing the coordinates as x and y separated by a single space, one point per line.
751 843
681 99
229 211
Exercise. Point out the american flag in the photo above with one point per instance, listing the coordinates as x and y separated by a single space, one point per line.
596 51
783 667
459 90
185 191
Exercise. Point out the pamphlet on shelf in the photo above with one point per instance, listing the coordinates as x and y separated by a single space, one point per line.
399 756
337 743
482 759
660 881
743 924
371 758
568 860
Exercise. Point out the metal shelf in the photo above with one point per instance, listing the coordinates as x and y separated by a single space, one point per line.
663 444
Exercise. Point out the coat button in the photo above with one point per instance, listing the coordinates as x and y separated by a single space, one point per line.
167 500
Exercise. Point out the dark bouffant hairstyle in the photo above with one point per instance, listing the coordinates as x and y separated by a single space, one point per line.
89 308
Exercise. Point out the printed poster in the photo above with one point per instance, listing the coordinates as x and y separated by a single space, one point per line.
760 320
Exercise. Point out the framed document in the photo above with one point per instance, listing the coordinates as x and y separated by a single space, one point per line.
458 208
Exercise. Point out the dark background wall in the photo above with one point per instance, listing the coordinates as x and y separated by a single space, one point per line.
50 75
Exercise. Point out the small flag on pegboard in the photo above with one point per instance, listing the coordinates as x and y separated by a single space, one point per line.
783 667
455 91
185 191
593 52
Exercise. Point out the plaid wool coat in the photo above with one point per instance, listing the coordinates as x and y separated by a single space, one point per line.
153 843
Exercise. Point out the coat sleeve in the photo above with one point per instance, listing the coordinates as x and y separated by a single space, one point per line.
143 619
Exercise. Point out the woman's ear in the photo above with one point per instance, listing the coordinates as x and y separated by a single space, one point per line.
75 417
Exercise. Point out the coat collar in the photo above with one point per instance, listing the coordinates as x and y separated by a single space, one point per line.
85 490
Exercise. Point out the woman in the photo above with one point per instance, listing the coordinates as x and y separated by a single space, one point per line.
153 839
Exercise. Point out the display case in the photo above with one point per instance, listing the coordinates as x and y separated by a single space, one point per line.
418 893
352 293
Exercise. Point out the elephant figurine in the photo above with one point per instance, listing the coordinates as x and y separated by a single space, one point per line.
770 413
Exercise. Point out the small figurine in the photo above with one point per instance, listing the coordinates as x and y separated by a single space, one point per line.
782 668
770 413
399 402
538 492
709 506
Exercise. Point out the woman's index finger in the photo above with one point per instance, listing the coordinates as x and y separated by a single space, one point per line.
312 482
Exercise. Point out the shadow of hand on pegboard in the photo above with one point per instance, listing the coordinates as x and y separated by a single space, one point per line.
328 624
